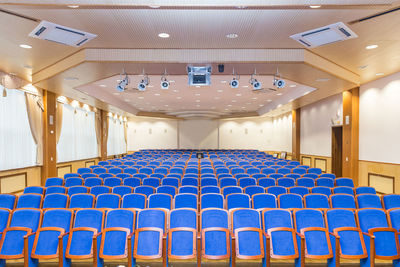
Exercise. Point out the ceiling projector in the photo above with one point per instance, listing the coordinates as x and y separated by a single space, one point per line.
199 76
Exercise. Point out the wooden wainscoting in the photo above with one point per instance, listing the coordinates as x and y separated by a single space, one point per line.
314 161
73 166
13 183
384 176
33 176
90 163
64 169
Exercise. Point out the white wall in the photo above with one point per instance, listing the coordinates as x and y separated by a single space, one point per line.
151 133
379 120
316 125
245 133
198 134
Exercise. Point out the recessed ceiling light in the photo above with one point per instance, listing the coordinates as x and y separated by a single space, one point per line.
220 91
232 35
141 97
229 105
279 94
175 91
369 47
322 80
154 6
362 67
25 46
241 7
238 94
245 86
197 100
116 93
150 86
233 100
306 93
197 86
292 85
380 74
217 97
163 35
73 6
261 105
126 100
280 105
178 97
102 85
226 109
197 105
254 98
165 105
157 94
197 94
269 100
315 6
243 107
223 81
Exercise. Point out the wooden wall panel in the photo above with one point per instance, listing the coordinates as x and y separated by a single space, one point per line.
62 170
296 134
382 183
383 170
13 183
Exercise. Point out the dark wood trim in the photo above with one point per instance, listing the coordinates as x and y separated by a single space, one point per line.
73 161
20 169
378 162
384 176
12 175
305 157
324 160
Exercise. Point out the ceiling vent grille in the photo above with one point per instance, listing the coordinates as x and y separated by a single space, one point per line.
332 33
61 34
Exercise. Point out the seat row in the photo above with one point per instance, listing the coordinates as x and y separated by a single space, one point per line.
188 200
156 235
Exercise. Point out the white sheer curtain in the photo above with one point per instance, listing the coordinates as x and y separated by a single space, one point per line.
78 135
116 144
17 146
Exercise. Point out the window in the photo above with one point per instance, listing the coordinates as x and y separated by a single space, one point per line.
17 146
78 136
116 144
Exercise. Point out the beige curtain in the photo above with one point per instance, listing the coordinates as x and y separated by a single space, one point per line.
126 132
97 121
59 119
35 122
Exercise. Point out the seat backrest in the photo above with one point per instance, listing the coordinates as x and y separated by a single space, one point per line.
263 200
305 218
82 201
154 182
231 189
185 200
227 182
317 171
115 170
286 182
29 201
188 189
167 189
4 218
54 181
244 217
190 181
273 218
321 190
210 189
235 200
306 182
77 190
29 218
336 218
328 182
316 201
69 175
93 181
183 217
208 181
300 190
101 189
276 190
160 200
300 171
152 218
61 218
73 181
84 170
368 201
344 182
394 218
293 175
89 175
145 189
34 189
122 190
170 182
120 218
93 218
365 190
276 175
371 218
109 201
214 217
391 201
99 170
134 200
266 182
211 201
342 201
131 181
55 201
112 181
7 201
327 175
123 175
343 190
244 182
290 201
253 189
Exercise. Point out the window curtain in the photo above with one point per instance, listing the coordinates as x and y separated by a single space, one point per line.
59 120
78 135
98 130
116 144
35 118
18 148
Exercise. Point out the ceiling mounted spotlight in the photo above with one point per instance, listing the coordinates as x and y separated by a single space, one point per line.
234 83
255 83
124 81
278 81
164 81
144 82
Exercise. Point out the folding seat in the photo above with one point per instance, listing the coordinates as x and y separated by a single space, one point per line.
281 163
157 175
90 182
276 190
327 175
368 201
285 182
208 175
89 175
7 201
236 200
215 235
300 171
244 182
259 175
281 238
167 189
81 171
344 182
122 190
134 201
176 170
231 190
132 182
100 189
210 189
327 182
99 170
185 201
70 175
108 166
142 163
188 189
189 175
160 200
171 182
222 170
106 175
276 175
211 200
293 175
146 170
141 176
391 201
310 224
385 242
290 201
83 239
275 167
343 190
73 181
246 229
321 190
29 201
208 182
236 170
342 201
145 190
154 182
34 189
283 171
364 190
116 236
81 201
300 190
130 170
54 181
316 201
192 170
102 163
241 175
227 182
268 171
77 190
253 189
224 175
112 181
393 216
151 226
57 201
107 201
174 175
252 171
95 166
310 175
20 231
317 171
123 175
266 182
306 182
263 200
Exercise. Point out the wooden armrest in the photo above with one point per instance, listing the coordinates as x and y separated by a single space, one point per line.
182 229
203 243
251 229
382 229
308 229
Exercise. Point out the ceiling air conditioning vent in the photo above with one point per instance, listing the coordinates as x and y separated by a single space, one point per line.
325 35
61 34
